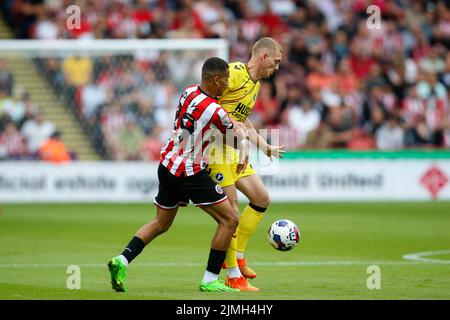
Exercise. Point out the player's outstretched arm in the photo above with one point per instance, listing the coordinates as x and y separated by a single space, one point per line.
261 143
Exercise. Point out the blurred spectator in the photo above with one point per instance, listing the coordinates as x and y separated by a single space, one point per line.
287 134
435 96
20 110
341 46
46 27
92 96
161 68
186 23
321 137
442 132
361 140
12 109
143 16
376 120
29 106
12 145
360 62
340 121
431 88
375 77
441 32
445 132
266 106
304 118
249 24
392 40
390 134
413 107
445 77
271 21
144 116
345 78
333 16
218 19
318 78
77 70
112 119
151 147
54 150
298 53
127 143
36 131
6 103
432 62
6 79
419 135
28 11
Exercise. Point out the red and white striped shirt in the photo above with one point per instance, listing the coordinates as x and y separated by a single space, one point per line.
12 144
197 114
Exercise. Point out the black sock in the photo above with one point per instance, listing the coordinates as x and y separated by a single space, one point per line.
133 249
256 208
215 260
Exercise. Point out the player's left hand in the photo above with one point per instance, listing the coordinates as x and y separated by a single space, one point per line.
275 151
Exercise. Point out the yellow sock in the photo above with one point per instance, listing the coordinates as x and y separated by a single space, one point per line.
248 223
231 253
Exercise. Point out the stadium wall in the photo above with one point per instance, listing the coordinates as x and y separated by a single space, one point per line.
327 176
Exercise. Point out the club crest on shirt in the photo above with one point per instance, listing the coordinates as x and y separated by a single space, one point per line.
219 189
219 177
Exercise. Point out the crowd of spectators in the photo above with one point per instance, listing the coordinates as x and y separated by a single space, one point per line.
25 134
126 105
341 84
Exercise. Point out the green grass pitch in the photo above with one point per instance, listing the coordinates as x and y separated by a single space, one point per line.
338 243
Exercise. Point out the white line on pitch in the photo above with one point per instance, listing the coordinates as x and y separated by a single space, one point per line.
191 264
417 256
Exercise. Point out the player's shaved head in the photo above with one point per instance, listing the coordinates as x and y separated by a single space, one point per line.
266 44
213 66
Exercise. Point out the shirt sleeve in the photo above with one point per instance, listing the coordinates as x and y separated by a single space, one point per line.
221 120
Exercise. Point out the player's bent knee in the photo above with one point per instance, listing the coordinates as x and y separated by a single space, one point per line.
236 211
235 205
263 200
233 222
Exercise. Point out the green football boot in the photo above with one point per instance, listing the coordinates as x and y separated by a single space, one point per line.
118 273
216 286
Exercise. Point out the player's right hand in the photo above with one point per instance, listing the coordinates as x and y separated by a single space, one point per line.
275 151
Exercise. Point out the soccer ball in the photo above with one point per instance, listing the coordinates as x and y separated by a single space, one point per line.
283 235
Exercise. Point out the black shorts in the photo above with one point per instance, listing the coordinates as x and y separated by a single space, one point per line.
177 191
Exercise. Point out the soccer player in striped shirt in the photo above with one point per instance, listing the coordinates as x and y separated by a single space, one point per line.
182 176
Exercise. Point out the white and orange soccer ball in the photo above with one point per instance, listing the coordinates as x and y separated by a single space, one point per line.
283 235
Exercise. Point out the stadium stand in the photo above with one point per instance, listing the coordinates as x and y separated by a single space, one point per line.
340 84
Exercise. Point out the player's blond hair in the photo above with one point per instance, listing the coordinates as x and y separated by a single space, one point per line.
266 43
